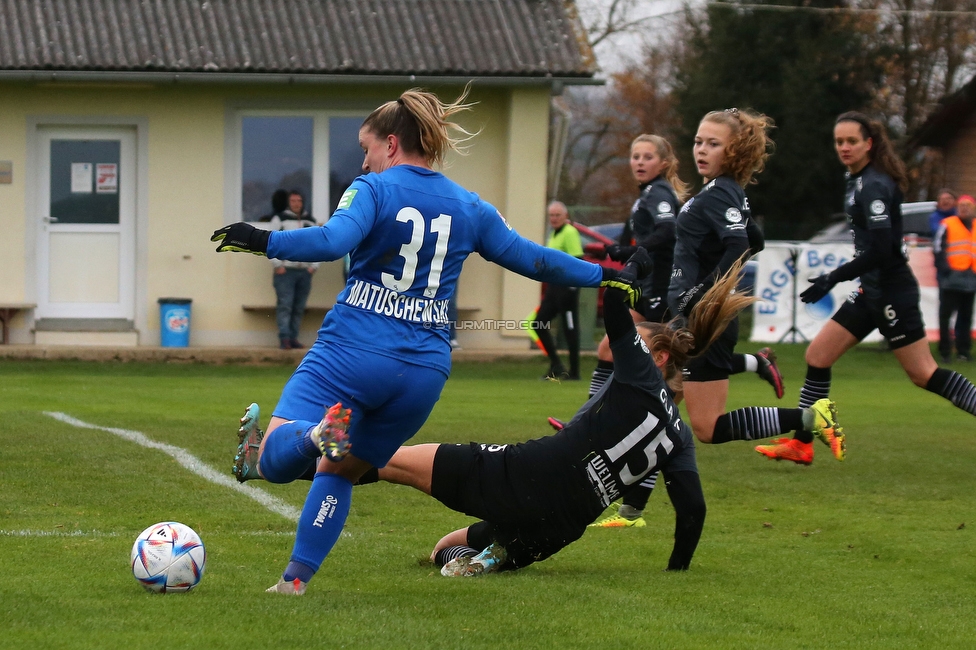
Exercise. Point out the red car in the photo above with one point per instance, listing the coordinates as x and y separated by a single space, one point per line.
595 246
595 250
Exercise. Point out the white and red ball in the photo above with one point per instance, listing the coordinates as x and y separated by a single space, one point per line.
168 557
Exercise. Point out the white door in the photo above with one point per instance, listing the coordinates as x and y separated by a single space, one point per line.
86 247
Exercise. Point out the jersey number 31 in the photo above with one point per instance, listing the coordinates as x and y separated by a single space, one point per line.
441 228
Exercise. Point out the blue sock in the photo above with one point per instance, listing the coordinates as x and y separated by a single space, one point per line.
298 570
323 518
288 452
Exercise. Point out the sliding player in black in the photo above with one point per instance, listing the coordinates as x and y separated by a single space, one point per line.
536 497
651 226
888 296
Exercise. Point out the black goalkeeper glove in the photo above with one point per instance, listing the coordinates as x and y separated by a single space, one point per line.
242 237
821 286
637 267
619 253
640 263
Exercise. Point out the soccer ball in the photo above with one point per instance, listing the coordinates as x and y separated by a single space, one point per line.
168 557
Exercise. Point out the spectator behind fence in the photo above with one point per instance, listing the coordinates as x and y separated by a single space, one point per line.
955 262
292 280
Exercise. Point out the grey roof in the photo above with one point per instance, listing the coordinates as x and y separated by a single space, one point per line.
458 38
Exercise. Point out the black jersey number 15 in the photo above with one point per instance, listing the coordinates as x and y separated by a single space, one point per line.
629 446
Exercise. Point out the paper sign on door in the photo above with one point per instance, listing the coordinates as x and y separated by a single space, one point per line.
81 178
106 178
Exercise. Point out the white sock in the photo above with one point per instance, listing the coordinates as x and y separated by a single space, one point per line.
629 512
752 363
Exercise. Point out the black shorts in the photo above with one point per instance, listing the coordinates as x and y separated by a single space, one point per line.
654 309
896 315
716 363
532 520
558 300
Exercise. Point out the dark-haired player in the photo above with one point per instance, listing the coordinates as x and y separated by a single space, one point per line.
888 297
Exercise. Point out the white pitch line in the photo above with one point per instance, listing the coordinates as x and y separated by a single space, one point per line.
28 532
192 463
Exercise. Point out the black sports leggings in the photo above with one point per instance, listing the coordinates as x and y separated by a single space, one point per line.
686 494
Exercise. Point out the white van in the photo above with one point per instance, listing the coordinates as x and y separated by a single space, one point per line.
914 219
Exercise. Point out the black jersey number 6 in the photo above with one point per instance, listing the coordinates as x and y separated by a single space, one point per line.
889 313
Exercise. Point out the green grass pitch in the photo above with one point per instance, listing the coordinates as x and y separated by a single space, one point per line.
875 552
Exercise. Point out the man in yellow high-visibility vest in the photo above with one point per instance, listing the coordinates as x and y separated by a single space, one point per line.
561 300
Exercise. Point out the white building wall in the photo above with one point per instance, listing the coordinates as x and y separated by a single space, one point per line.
182 137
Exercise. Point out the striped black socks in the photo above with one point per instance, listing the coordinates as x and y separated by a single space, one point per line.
954 387
449 553
755 422
816 386
600 376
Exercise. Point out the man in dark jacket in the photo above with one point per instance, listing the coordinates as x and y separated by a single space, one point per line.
945 206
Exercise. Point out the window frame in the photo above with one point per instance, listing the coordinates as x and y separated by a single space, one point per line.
321 167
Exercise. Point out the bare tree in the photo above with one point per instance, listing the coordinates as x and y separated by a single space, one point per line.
927 46
597 135
606 20
929 50
925 49
596 170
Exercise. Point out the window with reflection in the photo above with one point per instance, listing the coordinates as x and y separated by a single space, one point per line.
276 153
345 156
316 154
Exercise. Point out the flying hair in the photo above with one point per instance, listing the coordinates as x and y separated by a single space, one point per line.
749 144
684 340
420 121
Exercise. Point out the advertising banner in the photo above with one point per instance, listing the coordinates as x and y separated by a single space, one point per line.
779 316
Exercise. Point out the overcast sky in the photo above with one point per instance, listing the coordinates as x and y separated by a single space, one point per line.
614 54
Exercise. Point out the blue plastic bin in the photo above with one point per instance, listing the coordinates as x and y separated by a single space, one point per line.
174 322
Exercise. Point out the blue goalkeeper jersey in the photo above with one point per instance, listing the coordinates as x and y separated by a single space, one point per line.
408 231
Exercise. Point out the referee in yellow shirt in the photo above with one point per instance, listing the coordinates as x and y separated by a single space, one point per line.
561 300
